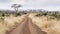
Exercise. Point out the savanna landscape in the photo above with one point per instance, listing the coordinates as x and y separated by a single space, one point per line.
48 22
29 16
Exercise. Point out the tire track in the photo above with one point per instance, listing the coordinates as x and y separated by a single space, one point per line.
27 27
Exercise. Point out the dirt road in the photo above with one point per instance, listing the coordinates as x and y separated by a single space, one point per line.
27 27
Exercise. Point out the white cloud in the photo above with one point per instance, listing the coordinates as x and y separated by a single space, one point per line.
36 4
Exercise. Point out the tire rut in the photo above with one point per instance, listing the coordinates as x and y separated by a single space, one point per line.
27 27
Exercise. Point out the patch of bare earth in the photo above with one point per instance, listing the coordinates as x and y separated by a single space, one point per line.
27 27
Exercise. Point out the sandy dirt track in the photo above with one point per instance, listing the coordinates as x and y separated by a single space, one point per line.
27 27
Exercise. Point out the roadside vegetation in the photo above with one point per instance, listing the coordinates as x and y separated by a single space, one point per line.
7 22
50 15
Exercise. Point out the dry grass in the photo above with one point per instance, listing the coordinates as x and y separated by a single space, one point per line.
9 23
50 26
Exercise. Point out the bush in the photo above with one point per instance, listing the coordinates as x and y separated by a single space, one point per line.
1 19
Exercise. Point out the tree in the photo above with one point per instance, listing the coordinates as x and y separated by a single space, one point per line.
16 7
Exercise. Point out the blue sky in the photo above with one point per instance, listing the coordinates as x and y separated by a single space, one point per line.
32 4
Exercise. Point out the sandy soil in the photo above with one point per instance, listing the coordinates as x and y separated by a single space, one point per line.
48 26
27 27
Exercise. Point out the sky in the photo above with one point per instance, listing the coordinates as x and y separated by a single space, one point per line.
31 4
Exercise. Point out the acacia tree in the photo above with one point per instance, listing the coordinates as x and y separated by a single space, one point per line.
16 7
